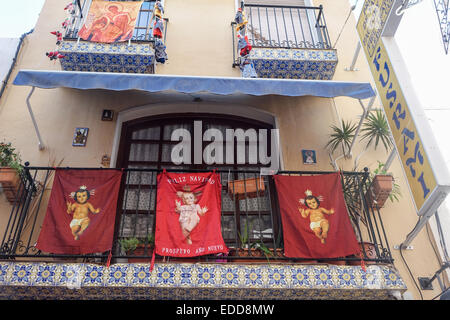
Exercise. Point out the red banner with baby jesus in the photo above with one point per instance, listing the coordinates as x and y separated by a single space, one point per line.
81 212
315 217
188 215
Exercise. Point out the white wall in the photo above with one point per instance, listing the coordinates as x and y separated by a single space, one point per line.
8 48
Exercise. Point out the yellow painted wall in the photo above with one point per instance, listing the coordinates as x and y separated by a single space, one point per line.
199 43
199 38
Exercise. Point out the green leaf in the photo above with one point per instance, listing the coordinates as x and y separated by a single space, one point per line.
341 136
375 129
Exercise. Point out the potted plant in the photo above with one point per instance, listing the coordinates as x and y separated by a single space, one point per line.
144 248
246 188
246 248
368 252
341 137
10 170
137 247
382 187
270 253
375 131
128 245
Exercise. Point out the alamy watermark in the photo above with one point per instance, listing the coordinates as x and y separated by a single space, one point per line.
251 147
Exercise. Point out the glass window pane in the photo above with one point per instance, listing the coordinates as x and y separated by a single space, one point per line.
141 177
168 129
228 228
166 155
139 226
146 134
139 199
143 152
260 227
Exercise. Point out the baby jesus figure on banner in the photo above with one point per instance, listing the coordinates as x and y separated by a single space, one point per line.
189 212
318 223
81 208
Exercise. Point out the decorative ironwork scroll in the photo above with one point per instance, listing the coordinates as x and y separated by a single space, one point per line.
442 10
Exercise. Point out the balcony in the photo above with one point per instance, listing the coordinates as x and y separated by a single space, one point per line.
134 56
27 272
289 42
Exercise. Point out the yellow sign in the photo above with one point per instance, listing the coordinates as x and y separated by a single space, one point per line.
409 145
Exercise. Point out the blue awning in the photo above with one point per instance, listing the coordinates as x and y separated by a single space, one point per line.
192 84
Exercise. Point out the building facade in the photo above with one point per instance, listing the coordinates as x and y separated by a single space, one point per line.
131 104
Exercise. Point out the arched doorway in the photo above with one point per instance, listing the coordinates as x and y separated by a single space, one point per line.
146 145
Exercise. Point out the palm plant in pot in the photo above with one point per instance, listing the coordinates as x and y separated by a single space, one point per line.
10 170
341 137
376 131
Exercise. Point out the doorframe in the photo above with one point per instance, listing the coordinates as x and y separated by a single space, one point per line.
165 109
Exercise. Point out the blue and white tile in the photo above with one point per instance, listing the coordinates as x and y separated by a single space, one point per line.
94 275
21 274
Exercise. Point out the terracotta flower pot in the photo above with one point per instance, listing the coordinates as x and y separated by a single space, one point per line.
240 255
368 251
140 251
379 190
10 181
249 188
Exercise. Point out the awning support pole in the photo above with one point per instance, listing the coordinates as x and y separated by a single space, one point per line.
41 144
410 237
390 158
355 58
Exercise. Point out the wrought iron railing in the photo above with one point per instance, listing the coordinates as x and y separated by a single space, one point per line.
290 27
443 14
254 210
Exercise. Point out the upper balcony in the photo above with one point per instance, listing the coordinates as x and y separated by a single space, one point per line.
250 219
137 55
289 42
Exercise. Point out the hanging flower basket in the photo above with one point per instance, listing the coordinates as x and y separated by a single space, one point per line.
379 190
10 169
10 181
247 188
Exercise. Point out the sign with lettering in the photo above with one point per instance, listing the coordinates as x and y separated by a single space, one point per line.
372 21
415 161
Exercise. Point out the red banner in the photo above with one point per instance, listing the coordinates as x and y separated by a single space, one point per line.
188 215
314 217
81 212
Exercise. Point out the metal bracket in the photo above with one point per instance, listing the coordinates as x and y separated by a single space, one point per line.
355 58
425 283
443 12
397 247
36 128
